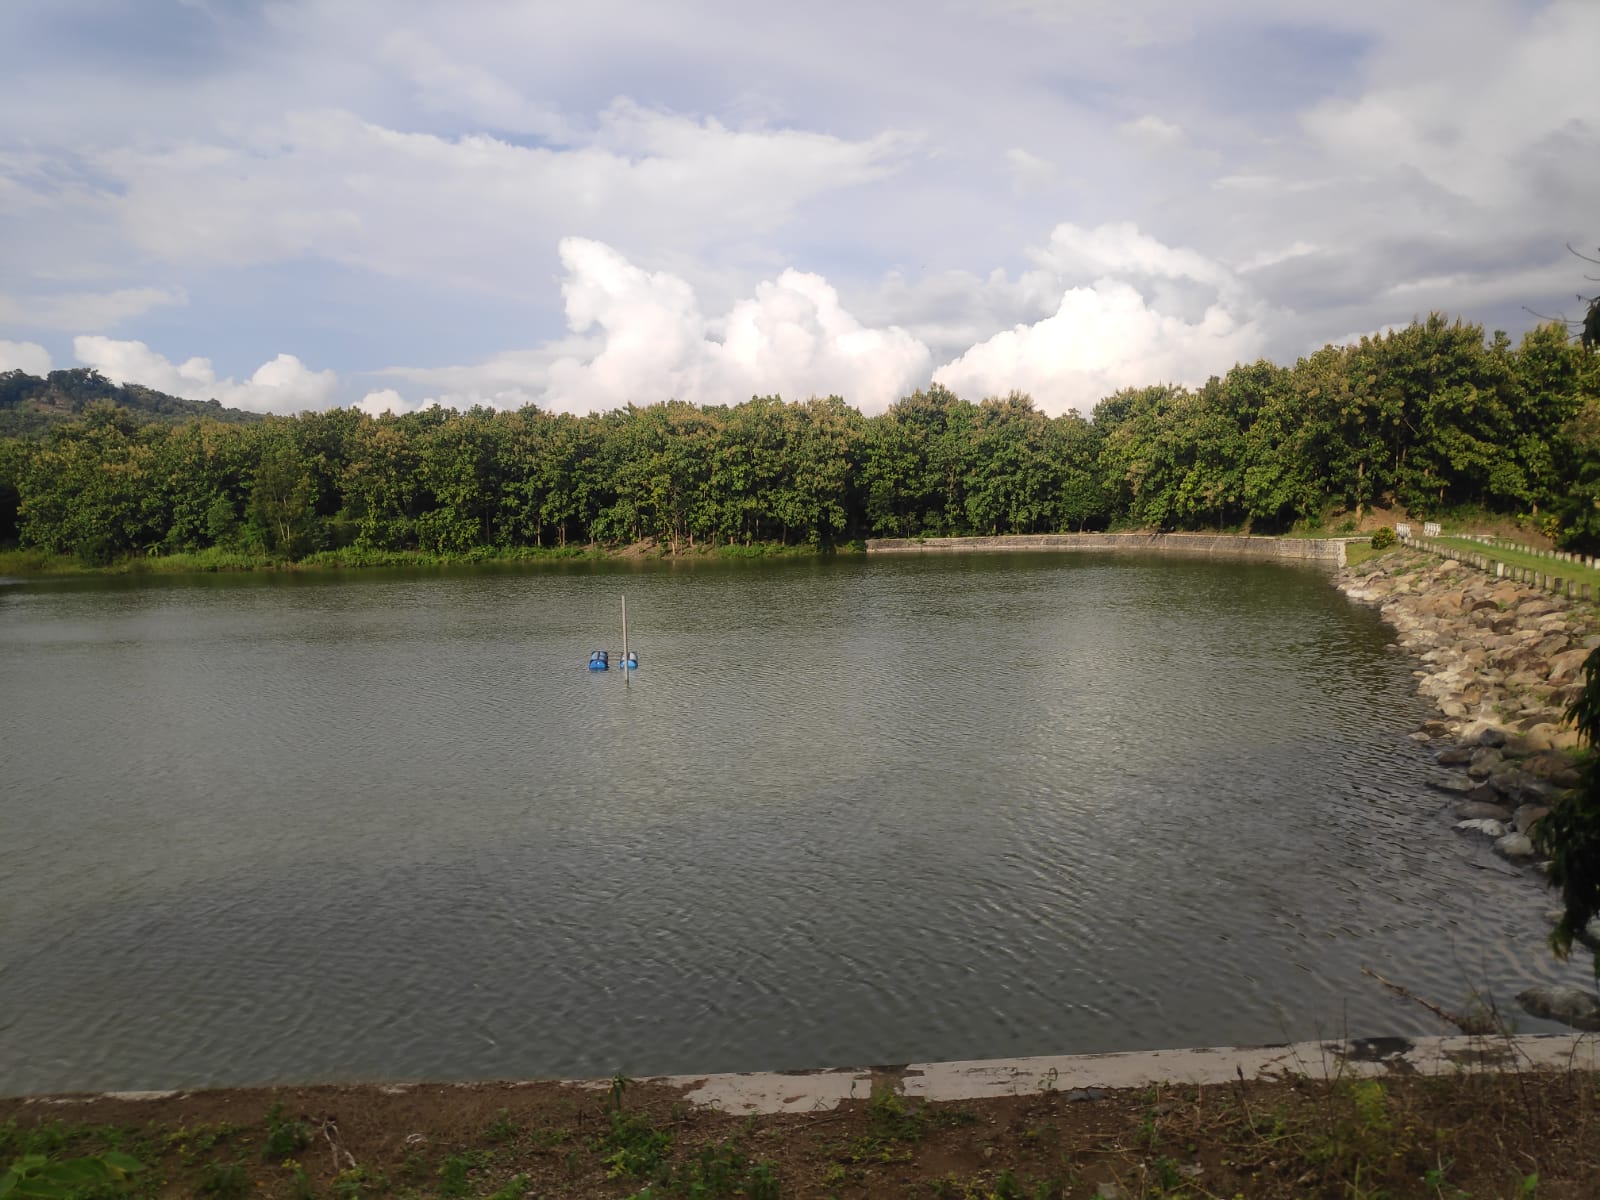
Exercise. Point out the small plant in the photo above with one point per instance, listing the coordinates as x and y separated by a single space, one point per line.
1167 1177
224 1181
453 1175
299 1183
512 1189
502 1128
1383 537
347 1184
284 1138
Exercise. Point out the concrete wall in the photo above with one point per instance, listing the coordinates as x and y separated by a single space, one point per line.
1330 550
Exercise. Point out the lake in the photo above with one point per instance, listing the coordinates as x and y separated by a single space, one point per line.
368 826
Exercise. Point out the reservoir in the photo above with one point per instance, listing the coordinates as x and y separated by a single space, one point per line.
380 826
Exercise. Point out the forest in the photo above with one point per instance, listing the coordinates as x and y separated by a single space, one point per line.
1434 417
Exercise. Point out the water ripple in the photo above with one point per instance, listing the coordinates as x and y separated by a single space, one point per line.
848 812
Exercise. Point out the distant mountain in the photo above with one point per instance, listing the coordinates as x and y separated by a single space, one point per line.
30 406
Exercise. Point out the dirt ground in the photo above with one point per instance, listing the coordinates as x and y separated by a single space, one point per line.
1478 1135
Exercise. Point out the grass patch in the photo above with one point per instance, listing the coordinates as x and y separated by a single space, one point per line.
1502 552
1356 553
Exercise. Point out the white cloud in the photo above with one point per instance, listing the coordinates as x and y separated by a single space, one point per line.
385 400
1028 171
24 356
1282 254
640 337
446 85
472 210
76 310
1134 311
1153 132
283 385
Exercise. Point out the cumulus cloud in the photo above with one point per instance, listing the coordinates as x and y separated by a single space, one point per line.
1133 311
640 336
1114 307
283 385
24 356
385 400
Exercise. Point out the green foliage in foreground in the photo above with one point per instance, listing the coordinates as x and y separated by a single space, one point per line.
1433 417
1570 834
38 1177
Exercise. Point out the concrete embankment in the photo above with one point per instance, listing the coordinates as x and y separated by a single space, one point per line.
816 1091
1330 550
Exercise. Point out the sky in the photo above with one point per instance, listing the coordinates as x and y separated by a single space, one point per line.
389 203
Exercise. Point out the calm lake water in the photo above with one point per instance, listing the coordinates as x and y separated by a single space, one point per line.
849 811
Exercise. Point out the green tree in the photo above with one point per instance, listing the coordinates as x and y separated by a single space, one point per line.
281 492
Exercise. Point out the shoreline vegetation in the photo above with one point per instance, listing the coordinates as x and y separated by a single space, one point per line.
1475 1133
216 561
1430 421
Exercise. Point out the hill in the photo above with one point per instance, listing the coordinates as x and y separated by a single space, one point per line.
31 406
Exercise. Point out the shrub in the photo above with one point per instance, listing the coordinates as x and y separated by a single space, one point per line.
1383 538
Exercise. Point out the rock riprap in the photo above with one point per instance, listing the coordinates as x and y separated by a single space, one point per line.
1502 662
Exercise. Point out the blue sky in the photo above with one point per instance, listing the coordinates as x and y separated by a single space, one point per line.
305 203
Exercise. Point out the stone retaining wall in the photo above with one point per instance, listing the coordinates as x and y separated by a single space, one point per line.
1330 550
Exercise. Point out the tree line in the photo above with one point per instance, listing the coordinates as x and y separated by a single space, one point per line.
1433 417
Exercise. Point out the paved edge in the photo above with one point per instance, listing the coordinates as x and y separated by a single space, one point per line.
981 1079
819 1091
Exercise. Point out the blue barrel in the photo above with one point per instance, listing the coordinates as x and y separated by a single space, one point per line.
599 661
632 662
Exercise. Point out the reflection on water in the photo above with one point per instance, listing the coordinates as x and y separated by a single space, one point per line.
848 811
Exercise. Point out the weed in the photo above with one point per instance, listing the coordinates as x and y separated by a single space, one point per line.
224 1181
347 1184
512 1189
453 1175
284 1138
502 1128
542 1140
633 1148
1165 1174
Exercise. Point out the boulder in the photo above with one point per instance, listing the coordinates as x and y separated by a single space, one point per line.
1567 664
1484 826
1540 736
1456 756
1549 647
1514 846
1547 765
1483 761
1479 810
1527 816
1574 1006
1453 783
1536 606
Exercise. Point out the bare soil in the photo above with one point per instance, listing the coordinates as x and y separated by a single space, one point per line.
1474 1134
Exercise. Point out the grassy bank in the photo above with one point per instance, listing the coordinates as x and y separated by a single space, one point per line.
1447 1138
35 562
1518 558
